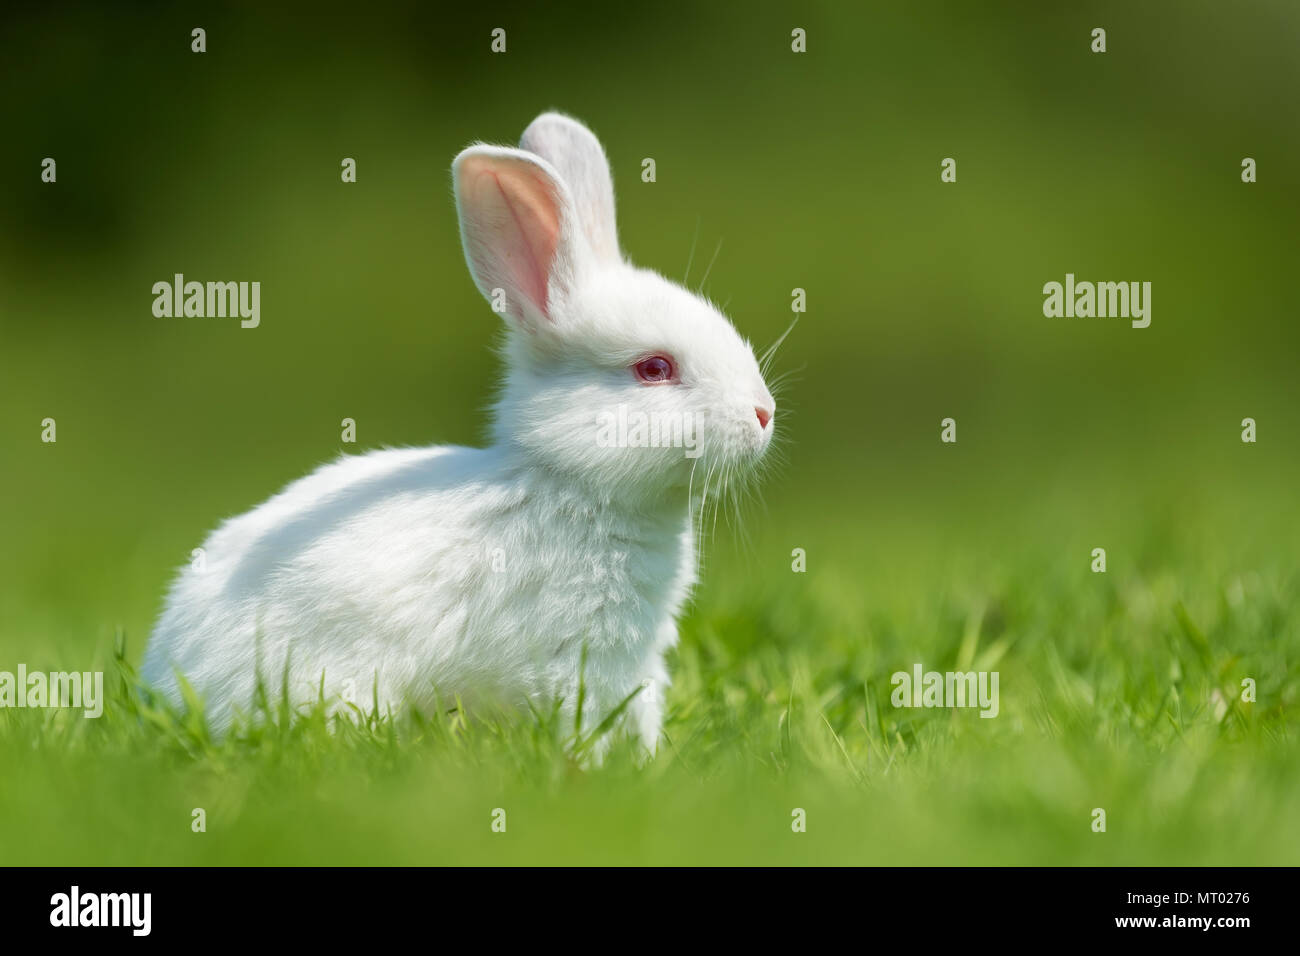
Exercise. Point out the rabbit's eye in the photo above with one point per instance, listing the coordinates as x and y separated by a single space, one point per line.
655 370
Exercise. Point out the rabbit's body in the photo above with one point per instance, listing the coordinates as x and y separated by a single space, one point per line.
556 559
420 575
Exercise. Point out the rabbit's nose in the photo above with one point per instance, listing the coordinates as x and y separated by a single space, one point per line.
764 416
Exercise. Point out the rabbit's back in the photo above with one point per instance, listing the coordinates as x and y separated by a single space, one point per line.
418 575
334 575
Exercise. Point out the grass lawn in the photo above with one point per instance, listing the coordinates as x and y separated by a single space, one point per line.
1119 691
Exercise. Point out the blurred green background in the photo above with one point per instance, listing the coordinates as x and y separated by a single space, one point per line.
818 171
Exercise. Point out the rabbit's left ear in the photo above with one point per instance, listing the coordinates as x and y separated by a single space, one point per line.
517 227
577 156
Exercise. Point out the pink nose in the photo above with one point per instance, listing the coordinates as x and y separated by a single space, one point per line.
764 416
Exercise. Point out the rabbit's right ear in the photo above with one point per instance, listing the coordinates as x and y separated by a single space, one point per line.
580 160
518 229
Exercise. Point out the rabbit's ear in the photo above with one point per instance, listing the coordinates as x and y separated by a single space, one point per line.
576 154
516 224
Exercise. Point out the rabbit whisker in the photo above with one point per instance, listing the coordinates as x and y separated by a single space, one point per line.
691 258
710 266
766 358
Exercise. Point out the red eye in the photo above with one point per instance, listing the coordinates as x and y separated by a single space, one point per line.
655 369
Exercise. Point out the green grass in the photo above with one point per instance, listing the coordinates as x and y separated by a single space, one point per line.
1119 691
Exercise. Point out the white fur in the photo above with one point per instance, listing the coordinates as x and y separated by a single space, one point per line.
423 576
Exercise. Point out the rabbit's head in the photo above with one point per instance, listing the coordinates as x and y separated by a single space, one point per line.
617 377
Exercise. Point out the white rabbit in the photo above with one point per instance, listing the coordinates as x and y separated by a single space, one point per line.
418 576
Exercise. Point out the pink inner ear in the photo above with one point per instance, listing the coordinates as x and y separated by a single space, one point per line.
527 225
